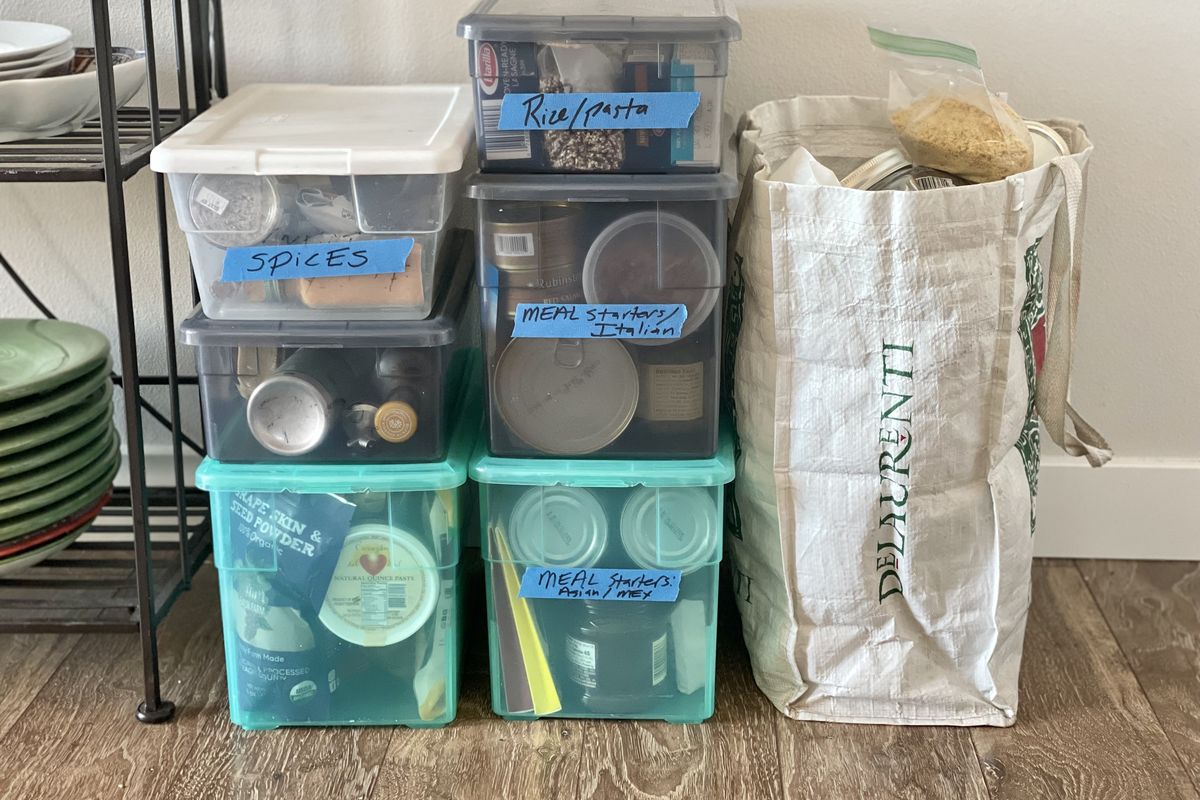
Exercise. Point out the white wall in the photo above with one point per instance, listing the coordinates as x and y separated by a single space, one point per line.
1129 70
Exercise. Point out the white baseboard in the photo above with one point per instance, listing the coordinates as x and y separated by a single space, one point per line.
1130 508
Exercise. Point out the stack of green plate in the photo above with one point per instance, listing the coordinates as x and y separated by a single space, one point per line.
59 451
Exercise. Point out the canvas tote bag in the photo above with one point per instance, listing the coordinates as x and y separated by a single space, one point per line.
893 353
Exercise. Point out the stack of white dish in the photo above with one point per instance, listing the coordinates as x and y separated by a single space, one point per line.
49 87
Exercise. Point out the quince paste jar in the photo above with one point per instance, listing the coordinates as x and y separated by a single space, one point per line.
319 202
612 86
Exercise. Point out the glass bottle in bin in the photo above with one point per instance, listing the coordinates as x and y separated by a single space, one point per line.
618 656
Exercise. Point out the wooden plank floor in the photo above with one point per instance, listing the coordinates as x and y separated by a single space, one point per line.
1110 708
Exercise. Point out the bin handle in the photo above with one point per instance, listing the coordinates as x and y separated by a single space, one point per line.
1054 381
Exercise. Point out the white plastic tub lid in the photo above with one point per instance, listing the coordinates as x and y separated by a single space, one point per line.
582 20
315 129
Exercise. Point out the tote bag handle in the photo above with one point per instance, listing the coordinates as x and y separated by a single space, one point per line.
1062 300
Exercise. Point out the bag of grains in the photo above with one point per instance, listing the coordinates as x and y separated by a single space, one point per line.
944 114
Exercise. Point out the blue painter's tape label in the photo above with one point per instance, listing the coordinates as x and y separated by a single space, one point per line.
573 583
599 320
316 260
598 111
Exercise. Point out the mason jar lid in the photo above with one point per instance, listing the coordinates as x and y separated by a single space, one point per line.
557 526
1047 144
874 171
673 527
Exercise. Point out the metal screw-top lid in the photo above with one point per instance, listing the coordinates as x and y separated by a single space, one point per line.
1047 144
878 170
289 414
566 396
673 527
558 526
396 421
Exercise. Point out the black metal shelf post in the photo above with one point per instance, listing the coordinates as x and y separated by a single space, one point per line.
140 555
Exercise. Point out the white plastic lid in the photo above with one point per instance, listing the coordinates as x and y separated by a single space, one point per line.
315 129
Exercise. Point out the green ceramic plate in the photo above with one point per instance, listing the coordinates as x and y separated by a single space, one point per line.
83 456
97 406
37 355
64 495
35 521
41 406
28 559
22 464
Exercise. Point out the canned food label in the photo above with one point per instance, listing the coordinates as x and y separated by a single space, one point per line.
596 583
591 111
658 660
212 201
337 259
582 658
671 392
599 320
513 244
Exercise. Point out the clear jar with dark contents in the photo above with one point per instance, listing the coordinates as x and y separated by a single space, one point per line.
617 656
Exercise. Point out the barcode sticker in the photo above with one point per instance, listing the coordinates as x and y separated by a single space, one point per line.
513 244
502 145
374 598
397 596
212 201
931 182
658 659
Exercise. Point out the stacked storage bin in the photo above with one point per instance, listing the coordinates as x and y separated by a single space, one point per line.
601 477
340 403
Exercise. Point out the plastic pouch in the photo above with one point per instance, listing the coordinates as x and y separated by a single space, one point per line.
944 114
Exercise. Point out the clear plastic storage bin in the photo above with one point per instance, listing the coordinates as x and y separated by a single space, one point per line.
339 587
602 585
580 86
319 202
336 392
627 273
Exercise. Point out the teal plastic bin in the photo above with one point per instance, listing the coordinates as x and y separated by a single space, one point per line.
602 584
339 584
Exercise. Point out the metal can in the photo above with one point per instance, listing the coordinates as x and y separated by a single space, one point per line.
531 236
566 396
558 526
240 210
672 527
291 412
557 284
892 171
254 365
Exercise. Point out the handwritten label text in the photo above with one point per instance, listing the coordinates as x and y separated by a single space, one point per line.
578 111
315 260
600 320
572 583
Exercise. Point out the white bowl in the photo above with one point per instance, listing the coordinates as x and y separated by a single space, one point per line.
38 107
41 58
60 64
20 40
